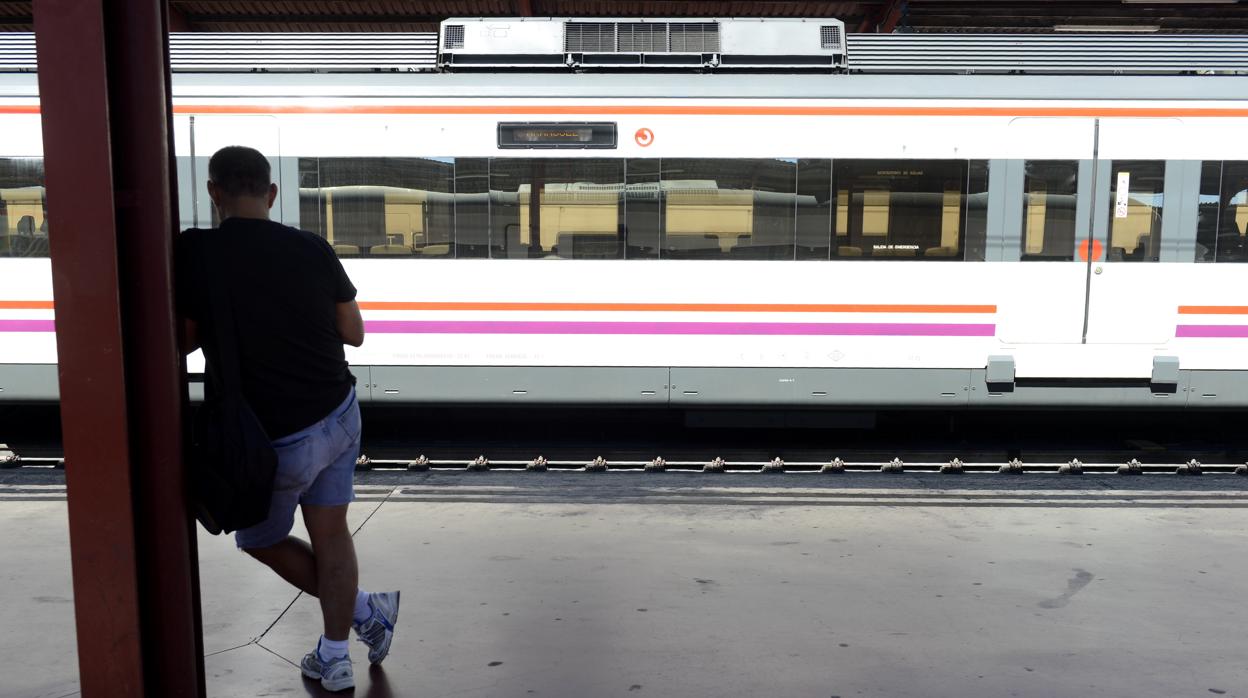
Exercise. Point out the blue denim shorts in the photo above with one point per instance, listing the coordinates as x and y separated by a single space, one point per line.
315 466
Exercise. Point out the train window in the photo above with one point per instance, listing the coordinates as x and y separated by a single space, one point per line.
1222 225
1135 210
472 208
901 209
380 206
729 208
814 209
611 208
23 208
976 238
311 207
1049 191
643 209
561 208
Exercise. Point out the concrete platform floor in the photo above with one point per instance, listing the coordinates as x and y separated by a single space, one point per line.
740 585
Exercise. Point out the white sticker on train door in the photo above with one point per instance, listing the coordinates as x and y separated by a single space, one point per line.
1123 194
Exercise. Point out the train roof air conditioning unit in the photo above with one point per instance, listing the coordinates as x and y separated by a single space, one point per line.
642 44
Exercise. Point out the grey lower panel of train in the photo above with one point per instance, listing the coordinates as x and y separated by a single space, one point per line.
519 385
835 388
690 388
21 383
28 383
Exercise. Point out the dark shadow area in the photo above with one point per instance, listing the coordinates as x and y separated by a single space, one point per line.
758 435
572 432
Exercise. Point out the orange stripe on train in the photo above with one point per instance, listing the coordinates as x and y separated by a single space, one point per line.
710 110
1213 310
685 110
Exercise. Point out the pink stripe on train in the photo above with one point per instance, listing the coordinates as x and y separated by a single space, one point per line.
1212 331
27 325
681 328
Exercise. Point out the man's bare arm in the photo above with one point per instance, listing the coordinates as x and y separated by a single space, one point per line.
350 323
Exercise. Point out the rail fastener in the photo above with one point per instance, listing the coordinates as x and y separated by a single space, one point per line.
1192 467
836 466
717 465
1014 467
597 465
479 464
420 465
776 465
538 465
1074 467
1131 467
953 467
1241 469
894 466
363 462
658 465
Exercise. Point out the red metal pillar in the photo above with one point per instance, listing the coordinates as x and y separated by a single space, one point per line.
105 104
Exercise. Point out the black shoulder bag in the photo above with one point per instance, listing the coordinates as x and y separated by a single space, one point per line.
232 459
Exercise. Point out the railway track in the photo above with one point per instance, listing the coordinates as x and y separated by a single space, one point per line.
717 465
592 441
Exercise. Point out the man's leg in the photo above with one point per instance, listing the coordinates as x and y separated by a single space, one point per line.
337 576
293 560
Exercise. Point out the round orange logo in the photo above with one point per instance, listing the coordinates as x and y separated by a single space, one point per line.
644 137
1097 250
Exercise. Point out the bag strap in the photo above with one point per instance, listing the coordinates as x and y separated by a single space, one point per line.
224 328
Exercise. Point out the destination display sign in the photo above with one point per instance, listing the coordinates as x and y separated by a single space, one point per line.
556 135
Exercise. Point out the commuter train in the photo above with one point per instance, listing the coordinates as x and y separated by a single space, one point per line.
737 239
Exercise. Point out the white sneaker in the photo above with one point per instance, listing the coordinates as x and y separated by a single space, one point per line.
335 675
378 631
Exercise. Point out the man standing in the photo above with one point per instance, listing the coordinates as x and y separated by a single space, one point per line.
294 308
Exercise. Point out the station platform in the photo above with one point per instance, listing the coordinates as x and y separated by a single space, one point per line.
674 584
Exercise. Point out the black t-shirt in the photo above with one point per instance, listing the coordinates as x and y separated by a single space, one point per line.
285 285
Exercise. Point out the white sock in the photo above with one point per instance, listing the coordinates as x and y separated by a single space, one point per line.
362 610
328 649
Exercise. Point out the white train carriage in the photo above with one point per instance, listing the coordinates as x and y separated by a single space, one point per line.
797 239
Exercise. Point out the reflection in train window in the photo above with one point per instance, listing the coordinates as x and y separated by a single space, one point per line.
643 209
729 208
1138 188
814 209
975 240
472 208
1049 191
556 208
23 208
901 209
1222 226
677 208
380 206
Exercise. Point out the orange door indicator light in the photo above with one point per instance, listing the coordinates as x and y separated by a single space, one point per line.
1097 250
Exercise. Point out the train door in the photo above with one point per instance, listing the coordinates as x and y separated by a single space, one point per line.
1043 190
1143 225
208 133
